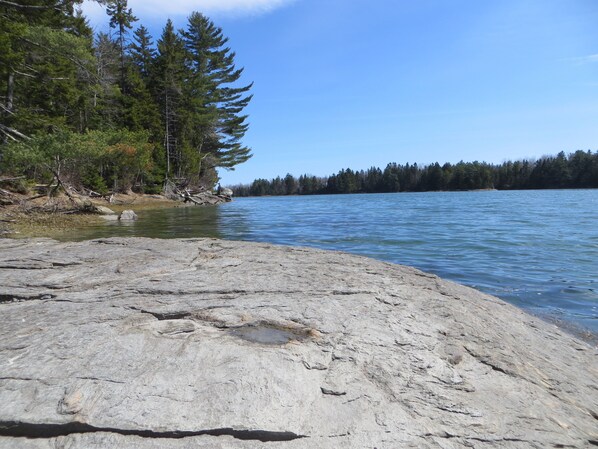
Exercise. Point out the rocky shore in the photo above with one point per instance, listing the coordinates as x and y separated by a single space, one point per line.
43 216
141 343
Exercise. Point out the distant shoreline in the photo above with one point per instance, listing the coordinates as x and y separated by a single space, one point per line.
575 170
425 191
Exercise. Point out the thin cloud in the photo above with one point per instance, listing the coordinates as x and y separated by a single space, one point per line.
588 59
185 7
148 9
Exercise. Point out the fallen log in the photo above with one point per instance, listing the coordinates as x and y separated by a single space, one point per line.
16 178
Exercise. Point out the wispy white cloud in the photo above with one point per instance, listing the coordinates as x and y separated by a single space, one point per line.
165 8
587 59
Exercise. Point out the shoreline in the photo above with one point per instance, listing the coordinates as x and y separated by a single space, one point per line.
59 225
31 219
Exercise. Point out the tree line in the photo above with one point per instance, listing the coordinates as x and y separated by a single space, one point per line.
576 170
117 111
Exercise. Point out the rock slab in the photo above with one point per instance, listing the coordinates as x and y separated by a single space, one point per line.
201 343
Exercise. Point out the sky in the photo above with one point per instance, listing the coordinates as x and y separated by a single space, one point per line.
360 83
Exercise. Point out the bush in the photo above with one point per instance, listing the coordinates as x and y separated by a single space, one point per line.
96 160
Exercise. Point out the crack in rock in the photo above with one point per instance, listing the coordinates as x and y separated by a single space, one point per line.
12 297
484 360
41 431
167 315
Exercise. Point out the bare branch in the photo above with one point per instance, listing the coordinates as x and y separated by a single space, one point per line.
11 133
17 5
23 74
5 109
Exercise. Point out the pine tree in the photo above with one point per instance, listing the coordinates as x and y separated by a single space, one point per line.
142 51
166 85
140 110
121 18
106 103
215 102
45 63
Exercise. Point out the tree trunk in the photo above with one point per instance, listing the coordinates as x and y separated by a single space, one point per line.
10 92
167 114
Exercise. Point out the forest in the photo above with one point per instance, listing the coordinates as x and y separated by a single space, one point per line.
576 170
116 111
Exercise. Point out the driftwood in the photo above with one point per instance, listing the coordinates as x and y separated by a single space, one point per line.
36 197
186 195
59 184
6 198
3 180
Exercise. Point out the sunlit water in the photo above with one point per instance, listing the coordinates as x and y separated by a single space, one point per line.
536 249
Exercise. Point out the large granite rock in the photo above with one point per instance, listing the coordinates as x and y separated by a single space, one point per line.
139 343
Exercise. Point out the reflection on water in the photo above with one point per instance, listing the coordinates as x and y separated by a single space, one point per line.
176 222
536 249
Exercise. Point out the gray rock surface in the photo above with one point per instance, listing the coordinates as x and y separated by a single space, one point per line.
225 191
140 343
103 210
127 215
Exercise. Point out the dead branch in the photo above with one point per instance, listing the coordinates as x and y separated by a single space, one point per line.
17 5
16 178
11 132
5 109
36 197
59 183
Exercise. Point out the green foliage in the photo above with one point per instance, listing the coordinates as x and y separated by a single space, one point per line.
94 160
142 52
577 170
215 102
177 105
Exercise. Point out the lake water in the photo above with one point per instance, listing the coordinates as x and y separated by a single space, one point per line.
535 249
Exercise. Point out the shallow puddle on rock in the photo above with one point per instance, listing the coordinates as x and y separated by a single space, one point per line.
265 334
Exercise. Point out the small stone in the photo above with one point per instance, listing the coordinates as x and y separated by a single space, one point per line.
127 215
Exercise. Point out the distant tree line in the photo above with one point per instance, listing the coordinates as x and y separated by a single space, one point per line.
116 111
576 170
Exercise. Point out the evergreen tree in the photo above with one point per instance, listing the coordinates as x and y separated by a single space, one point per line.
44 62
106 103
142 52
121 18
168 73
214 102
140 110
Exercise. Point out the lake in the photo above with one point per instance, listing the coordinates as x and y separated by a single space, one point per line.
535 249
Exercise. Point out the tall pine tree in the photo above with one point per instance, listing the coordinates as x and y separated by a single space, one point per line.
142 51
121 18
215 101
167 81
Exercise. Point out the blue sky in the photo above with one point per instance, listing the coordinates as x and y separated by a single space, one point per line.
360 83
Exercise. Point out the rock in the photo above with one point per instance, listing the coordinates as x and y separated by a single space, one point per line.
207 199
84 204
201 343
103 210
224 191
127 215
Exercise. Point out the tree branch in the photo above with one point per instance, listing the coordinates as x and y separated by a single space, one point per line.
5 109
73 60
11 132
16 5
